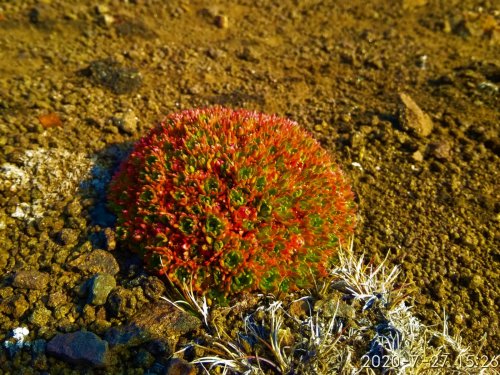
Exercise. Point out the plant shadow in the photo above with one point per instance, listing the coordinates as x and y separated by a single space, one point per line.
101 221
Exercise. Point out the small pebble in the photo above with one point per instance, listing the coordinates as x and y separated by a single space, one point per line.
221 21
412 118
417 156
126 122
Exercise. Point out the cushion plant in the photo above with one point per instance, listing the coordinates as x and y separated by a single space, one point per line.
233 200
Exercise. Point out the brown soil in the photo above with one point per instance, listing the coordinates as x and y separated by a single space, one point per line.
428 198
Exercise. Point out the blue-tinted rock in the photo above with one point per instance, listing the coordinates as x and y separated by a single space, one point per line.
79 348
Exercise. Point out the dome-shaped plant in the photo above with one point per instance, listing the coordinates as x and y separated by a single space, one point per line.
233 200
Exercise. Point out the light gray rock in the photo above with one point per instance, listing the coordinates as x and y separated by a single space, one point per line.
412 118
99 287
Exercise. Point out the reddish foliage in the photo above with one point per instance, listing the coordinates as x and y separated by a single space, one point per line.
233 200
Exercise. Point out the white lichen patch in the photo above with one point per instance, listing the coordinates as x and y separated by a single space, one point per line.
19 334
13 177
16 341
41 178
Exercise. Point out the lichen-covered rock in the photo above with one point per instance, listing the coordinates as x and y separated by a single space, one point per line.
128 335
99 287
153 287
40 316
231 201
68 236
161 319
15 305
124 302
31 280
155 321
97 261
57 299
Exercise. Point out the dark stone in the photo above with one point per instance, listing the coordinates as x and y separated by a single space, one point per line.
34 16
122 302
137 281
157 347
129 335
31 280
143 359
79 348
110 74
133 266
153 287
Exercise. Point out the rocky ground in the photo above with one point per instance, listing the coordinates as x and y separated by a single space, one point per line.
405 93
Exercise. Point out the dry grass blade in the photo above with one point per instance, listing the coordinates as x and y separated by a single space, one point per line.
324 344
